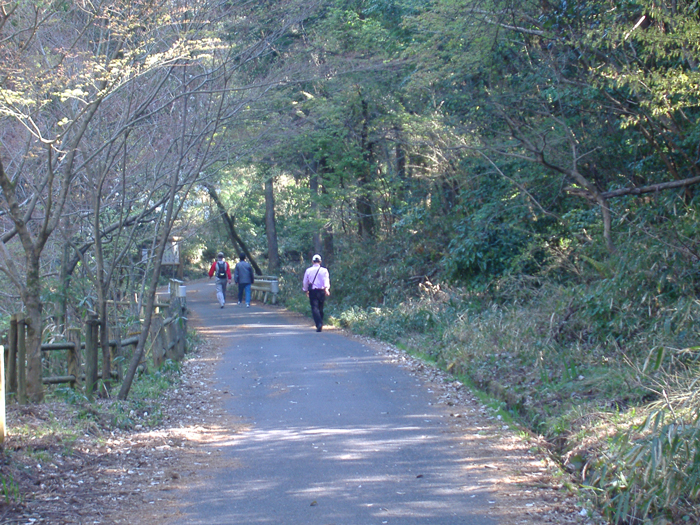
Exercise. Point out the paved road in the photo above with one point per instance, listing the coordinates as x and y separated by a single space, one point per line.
334 433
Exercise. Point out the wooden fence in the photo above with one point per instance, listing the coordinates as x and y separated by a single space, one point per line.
166 340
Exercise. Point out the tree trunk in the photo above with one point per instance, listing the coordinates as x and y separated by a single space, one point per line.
328 246
401 174
104 343
150 300
228 221
32 303
327 238
313 186
365 210
400 163
273 255
102 284
62 317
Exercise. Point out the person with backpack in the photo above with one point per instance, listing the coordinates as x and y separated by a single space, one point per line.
244 277
221 269
317 285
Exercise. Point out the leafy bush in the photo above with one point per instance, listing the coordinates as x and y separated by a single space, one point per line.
651 473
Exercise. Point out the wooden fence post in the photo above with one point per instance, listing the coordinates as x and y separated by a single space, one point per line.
2 394
12 356
180 331
171 338
22 359
6 357
183 326
178 307
91 331
116 353
157 341
74 360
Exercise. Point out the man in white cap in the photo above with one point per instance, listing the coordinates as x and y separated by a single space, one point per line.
317 285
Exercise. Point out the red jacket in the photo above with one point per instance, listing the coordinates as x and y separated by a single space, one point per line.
212 270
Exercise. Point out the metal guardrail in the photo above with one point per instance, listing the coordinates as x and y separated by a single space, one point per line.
266 286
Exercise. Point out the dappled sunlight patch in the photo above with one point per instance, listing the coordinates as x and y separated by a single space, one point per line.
523 486
212 435
248 331
216 331
281 333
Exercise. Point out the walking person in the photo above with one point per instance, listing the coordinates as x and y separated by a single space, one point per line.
317 285
244 277
222 270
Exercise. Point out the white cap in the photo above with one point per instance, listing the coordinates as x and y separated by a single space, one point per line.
316 257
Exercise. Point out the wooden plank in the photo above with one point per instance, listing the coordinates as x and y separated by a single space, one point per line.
91 331
157 344
74 358
57 380
48 347
134 339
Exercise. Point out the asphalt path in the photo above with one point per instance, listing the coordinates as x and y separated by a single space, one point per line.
331 432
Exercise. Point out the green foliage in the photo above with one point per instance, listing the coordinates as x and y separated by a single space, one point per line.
151 385
390 324
72 396
651 472
648 287
494 241
122 417
10 490
143 405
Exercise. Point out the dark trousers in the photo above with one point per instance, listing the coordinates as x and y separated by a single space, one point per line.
244 288
316 299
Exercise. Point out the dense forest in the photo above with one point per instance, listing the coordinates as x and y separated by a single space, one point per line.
507 188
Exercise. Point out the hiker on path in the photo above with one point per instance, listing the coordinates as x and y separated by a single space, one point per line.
244 277
317 285
222 270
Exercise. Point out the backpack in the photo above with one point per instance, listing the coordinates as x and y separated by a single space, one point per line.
221 269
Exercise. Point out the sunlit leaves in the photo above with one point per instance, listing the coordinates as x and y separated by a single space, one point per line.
652 50
10 98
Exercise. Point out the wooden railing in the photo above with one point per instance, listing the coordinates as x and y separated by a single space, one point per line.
166 341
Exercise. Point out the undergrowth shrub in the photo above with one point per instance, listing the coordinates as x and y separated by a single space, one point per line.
651 472
392 324
144 403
